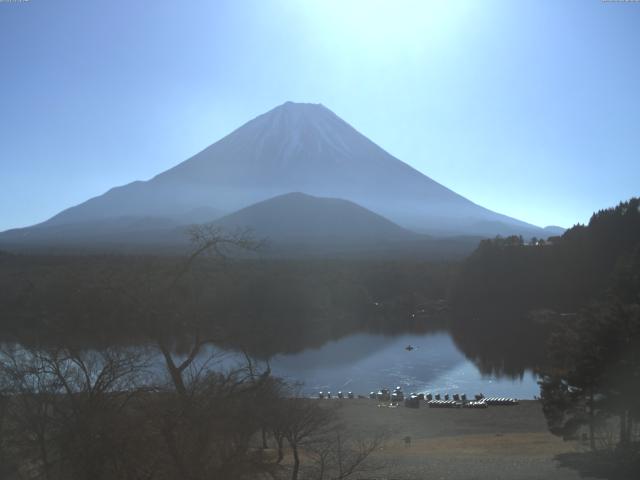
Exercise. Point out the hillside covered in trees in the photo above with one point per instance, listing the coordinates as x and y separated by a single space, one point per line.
570 306
507 293
509 274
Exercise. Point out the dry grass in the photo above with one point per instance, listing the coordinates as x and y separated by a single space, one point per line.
496 443
533 444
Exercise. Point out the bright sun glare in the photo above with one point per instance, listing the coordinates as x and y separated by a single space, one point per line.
385 27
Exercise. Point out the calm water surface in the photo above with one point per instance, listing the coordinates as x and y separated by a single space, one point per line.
365 362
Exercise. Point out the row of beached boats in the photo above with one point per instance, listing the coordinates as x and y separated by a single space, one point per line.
479 402
500 401
340 394
413 400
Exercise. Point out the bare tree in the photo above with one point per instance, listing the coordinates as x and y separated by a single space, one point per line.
207 430
29 398
206 400
98 386
304 419
210 241
4 402
338 455
67 408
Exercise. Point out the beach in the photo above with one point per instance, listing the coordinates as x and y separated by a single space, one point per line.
500 442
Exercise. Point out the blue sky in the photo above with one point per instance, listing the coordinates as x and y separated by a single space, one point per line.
530 108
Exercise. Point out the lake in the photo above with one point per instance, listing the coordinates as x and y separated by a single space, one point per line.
366 362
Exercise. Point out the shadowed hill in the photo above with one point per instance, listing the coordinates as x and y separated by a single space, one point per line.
301 217
297 224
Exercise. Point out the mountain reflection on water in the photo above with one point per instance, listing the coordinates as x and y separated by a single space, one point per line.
364 362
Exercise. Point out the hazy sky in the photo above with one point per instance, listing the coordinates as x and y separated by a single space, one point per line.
530 108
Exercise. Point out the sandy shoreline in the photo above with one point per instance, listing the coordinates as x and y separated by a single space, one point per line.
509 442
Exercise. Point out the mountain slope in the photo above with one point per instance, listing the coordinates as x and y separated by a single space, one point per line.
297 148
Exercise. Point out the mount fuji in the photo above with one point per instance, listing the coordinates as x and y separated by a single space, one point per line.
295 147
